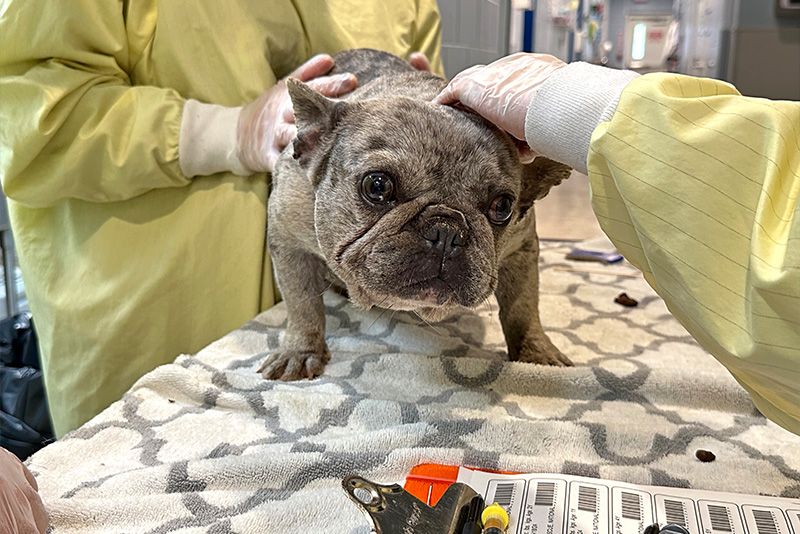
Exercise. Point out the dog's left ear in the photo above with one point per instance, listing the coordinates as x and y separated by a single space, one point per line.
315 116
538 177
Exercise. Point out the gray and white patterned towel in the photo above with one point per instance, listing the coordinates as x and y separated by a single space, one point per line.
206 445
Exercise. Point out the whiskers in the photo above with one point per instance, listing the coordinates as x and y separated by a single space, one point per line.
439 332
326 289
383 310
488 302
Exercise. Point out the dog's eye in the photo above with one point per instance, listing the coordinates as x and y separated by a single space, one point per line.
501 209
378 188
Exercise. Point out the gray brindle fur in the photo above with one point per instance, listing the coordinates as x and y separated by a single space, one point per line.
432 250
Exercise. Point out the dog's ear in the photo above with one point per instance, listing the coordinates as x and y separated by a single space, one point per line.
538 178
526 155
315 116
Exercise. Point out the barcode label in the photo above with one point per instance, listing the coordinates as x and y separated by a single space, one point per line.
510 494
545 494
720 518
631 511
675 513
681 511
765 522
587 499
562 504
589 509
542 511
768 520
504 494
631 506
724 518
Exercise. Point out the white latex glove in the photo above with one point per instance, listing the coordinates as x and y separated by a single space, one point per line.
245 140
501 91
21 508
266 125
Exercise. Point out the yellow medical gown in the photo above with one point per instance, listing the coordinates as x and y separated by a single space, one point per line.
698 187
127 262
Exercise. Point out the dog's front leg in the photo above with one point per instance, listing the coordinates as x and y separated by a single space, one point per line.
518 296
303 352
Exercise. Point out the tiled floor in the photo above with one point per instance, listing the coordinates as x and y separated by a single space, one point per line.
566 213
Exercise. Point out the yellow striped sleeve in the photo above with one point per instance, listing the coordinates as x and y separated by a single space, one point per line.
698 187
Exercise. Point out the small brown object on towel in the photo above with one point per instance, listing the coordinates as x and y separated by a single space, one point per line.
705 456
626 301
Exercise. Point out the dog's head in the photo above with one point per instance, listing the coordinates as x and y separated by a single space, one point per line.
415 202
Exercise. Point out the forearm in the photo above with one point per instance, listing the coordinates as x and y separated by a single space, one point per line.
208 140
96 140
569 106
76 125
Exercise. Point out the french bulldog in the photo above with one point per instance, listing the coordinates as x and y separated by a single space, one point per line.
404 205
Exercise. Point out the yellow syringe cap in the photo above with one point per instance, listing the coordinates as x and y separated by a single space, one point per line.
495 515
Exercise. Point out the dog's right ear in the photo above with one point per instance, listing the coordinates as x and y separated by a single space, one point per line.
315 116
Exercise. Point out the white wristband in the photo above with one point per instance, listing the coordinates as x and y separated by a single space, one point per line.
208 140
569 106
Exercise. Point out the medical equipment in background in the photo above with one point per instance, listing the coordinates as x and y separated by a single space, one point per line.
554 24
568 29
595 49
724 39
579 30
787 8
704 37
688 36
649 41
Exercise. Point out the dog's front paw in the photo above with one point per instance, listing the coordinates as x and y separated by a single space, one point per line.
541 351
289 365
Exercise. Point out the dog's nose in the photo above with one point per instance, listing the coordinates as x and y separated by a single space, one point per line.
444 234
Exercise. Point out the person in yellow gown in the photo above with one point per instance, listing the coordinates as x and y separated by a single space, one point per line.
696 185
134 138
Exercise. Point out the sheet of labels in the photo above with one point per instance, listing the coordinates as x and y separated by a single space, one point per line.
563 504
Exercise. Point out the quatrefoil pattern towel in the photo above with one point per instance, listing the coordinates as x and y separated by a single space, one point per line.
205 445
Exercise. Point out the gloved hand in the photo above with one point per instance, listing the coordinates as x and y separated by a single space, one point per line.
501 91
245 140
419 61
266 125
21 508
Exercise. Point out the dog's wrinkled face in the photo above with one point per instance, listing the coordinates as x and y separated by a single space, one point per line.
413 200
